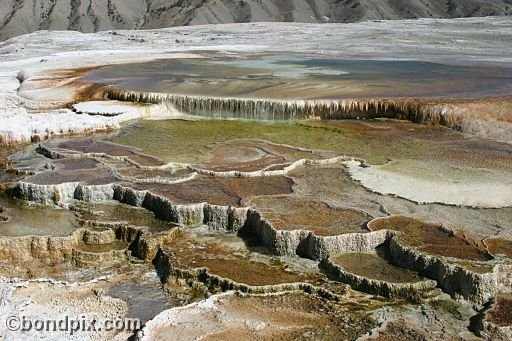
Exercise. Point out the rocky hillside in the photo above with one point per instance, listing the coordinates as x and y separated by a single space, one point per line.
24 16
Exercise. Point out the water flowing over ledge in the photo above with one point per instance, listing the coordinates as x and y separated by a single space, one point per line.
268 109
483 117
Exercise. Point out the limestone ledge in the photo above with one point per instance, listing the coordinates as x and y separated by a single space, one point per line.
142 243
61 154
305 243
490 331
53 249
264 172
503 274
411 291
256 108
201 278
453 279
99 237
83 258
64 154
59 249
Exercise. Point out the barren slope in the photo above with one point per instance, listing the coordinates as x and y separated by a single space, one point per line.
24 16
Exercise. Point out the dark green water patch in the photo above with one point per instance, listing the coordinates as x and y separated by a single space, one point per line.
20 219
190 141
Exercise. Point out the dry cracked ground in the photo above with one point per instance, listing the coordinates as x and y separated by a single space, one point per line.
274 209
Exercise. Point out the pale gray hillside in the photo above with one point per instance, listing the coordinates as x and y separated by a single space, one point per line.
24 16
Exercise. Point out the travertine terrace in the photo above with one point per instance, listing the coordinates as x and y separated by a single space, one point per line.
273 189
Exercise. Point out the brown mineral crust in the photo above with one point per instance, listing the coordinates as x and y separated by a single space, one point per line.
155 173
399 331
501 312
293 213
68 78
94 176
251 155
220 191
449 145
293 316
75 164
431 238
499 246
65 79
88 145
227 262
99 248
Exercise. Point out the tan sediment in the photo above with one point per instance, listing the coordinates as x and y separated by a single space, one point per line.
294 213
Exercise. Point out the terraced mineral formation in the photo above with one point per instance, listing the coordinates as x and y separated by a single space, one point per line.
275 222
281 219
310 212
370 273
